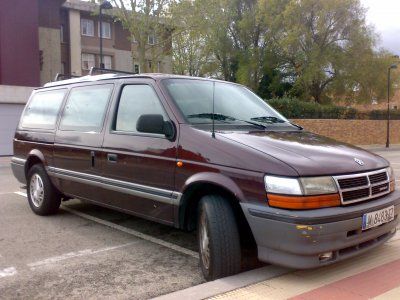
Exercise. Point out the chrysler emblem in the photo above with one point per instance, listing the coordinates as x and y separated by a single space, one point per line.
359 161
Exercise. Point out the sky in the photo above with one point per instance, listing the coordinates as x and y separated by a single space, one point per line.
384 15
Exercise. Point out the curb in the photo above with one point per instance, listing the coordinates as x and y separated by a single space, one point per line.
223 285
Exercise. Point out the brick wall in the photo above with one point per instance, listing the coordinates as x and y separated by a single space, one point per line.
359 132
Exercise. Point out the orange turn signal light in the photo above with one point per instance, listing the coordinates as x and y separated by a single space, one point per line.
303 202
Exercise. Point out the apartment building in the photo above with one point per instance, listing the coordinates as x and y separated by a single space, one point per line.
40 38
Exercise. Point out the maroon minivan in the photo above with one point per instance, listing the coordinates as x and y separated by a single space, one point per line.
203 154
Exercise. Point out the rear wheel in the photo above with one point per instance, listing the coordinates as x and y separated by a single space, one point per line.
218 238
43 198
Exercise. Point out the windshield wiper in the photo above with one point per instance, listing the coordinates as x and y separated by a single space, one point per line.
218 117
221 117
269 119
272 120
295 125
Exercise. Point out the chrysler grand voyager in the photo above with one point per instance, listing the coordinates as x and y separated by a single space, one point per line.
206 155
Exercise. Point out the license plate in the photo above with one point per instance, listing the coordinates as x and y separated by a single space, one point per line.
376 218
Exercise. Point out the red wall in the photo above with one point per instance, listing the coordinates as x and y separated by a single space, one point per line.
19 42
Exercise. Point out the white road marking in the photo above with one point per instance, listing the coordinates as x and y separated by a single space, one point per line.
134 233
11 271
128 230
55 259
21 194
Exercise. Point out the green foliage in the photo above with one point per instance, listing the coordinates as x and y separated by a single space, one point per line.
293 108
311 49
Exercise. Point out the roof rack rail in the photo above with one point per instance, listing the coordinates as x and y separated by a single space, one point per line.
60 76
103 70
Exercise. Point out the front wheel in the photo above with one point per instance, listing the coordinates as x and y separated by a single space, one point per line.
43 198
218 238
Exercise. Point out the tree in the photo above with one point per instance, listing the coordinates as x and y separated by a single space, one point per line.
148 22
190 52
318 41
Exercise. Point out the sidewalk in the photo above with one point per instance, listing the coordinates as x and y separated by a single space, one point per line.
374 275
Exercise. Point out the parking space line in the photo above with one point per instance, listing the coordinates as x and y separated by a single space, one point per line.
11 271
133 232
21 194
55 259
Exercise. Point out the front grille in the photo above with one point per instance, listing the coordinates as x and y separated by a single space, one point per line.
378 177
353 182
380 188
360 187
355 194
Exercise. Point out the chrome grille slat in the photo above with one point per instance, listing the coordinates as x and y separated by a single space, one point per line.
362 186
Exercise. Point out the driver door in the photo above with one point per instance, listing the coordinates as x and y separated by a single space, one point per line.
140 166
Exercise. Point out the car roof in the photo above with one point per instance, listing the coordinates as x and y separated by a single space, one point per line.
111 76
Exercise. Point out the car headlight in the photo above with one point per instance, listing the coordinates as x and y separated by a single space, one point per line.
301 193
301 186
318 185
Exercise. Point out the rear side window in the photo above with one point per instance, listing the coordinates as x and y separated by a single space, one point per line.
136 100
42 110
85 108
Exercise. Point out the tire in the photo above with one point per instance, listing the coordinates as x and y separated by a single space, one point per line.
43 197
216 220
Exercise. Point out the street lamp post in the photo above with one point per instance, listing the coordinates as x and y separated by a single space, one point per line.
104 5
393 66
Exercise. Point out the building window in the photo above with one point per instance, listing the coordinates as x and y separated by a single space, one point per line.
151 39
106 30
136 69
107 60
88 61
87 27
62 33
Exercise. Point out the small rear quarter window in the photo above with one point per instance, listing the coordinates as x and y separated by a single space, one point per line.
42 110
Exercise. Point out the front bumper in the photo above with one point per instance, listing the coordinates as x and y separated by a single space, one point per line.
296 239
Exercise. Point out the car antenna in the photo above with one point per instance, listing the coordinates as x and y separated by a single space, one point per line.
213 108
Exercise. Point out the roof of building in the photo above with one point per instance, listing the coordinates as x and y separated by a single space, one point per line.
81 5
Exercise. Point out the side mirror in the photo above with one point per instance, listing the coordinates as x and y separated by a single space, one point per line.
155 124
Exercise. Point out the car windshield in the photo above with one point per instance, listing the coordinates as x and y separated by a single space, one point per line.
233 103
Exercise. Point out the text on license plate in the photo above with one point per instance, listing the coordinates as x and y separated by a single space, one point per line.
376 218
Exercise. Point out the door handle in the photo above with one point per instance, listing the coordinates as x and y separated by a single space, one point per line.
112 157
92 157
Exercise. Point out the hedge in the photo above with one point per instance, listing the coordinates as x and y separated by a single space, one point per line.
293 108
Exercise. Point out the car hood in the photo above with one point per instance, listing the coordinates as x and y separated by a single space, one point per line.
308 153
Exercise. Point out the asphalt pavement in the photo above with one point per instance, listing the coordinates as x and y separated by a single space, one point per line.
90 252
75 256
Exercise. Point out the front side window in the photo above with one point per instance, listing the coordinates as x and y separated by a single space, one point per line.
42 110
88 61
85 108
136 100
87 27
106 30
232 103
